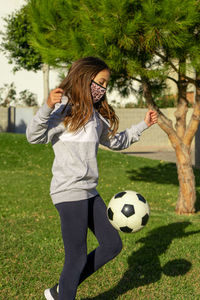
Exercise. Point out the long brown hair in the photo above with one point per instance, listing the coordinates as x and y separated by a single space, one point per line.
76 87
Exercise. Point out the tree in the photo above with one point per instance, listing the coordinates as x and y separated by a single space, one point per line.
161 32
17 48
141 41
9 97
180 58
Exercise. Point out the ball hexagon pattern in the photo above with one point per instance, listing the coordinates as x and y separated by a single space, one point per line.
128 211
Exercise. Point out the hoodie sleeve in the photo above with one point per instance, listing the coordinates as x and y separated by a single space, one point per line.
44 125
124 139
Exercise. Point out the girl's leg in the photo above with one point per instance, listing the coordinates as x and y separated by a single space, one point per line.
74 224
109 240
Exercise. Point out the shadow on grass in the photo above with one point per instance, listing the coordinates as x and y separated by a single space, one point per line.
197 203
163 173
144 264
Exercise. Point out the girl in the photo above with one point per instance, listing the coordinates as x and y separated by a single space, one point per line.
76 119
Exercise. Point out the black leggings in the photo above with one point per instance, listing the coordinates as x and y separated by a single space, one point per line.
76 217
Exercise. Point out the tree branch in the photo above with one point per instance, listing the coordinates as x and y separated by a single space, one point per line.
163 121
164 58
190 80
134 78
194 121
171 78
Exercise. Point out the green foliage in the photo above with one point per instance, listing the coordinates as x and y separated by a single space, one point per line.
127 34
27 98
54 23
9 97
16 44
7 94
166 101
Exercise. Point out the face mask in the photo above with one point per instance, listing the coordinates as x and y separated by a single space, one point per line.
97 91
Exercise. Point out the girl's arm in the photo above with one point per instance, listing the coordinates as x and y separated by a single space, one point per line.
45 124
129 136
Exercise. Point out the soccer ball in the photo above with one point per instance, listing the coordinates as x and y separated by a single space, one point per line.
128 211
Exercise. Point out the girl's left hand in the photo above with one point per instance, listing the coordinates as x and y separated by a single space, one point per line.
151 117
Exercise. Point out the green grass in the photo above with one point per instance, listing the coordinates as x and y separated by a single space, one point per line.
160 262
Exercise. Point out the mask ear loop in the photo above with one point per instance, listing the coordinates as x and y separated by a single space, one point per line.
98 84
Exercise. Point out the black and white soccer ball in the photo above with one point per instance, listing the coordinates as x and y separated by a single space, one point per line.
128 211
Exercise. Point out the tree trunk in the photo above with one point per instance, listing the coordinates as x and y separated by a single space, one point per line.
197 137
45 70
187 193
197 148
182 107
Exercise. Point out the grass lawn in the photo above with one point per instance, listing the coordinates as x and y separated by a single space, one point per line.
160 262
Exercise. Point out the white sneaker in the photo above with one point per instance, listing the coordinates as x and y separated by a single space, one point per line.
52 293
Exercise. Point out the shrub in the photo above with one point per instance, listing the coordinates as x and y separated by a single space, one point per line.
8 96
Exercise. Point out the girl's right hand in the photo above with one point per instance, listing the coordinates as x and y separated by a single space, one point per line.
54 97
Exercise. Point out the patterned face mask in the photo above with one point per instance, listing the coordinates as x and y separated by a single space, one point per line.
97 91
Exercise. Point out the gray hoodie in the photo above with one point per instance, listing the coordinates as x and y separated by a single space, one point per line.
75 170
